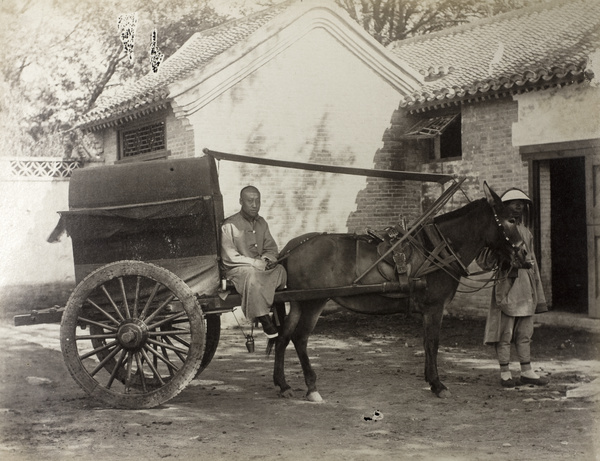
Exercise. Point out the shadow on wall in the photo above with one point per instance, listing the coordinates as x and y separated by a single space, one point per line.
298 201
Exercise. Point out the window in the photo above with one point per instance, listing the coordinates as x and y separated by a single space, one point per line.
144 142
443 133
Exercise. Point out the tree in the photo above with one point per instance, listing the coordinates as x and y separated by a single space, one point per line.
59 56
392 20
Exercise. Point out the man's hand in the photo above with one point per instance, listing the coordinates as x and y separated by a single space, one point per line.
260 264
271 264
268 263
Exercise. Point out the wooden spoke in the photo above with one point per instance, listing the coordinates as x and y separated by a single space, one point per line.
103 336
175 336
169 332
138 362
98 324
177 353
125 305
98 350
149 301
106 359
151 366
163 359
116 369
106 314
129 372
161 307
137 296
165 345
112 302
166 320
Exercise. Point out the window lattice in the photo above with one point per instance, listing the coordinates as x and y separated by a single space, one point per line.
143 140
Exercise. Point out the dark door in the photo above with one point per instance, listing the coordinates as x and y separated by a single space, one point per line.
568 235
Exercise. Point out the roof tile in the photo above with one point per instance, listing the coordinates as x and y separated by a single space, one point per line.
201 48
525 47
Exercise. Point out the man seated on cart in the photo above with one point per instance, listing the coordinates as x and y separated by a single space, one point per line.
249 257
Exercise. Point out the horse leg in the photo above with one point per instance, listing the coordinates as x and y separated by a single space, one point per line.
311 310
282 341
432 323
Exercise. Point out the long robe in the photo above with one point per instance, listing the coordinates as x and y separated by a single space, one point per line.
246 244
518 292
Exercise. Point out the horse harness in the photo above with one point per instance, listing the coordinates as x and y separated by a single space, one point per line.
408 261
422 252
410 255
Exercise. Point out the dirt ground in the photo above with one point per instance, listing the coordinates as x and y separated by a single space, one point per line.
364 364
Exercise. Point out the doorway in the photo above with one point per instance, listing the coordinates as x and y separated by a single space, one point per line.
568 235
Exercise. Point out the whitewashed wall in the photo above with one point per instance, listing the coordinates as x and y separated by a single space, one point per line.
556 115
34 274
316 99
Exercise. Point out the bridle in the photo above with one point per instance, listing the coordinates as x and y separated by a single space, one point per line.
494 279
503 232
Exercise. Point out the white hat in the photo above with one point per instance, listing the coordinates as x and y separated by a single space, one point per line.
514 194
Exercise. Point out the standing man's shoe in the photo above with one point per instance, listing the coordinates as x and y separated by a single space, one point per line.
510 383
268 326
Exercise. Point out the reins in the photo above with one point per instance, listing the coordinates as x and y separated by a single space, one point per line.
441 265
302 242
432 259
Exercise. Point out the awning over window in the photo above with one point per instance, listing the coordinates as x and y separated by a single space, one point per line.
430 127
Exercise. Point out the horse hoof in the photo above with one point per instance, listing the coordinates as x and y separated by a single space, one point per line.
444 394
287 394
314 397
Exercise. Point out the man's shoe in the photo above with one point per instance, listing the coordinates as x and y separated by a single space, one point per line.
508 383
268 326
541 381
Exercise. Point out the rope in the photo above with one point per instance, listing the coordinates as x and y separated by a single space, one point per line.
240 325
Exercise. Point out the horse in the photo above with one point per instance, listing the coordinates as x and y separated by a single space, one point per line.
330 260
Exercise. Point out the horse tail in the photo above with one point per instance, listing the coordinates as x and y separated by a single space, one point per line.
279 312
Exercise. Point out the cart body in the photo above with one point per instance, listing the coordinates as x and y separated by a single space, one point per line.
165 212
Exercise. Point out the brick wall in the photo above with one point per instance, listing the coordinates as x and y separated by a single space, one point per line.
386 202
488 155
545 232
180 136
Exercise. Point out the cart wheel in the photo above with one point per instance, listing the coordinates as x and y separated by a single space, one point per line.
132 334
213 334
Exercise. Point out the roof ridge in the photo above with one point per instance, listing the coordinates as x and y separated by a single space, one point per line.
491 19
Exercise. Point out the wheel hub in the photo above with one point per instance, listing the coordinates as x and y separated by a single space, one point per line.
132 334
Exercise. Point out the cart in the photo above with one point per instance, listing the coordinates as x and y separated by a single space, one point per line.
144 318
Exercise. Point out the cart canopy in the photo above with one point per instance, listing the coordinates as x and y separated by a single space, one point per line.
165 212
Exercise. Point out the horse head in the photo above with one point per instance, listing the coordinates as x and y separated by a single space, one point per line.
505 240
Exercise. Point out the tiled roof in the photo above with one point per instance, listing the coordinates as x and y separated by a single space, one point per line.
151 91
530 48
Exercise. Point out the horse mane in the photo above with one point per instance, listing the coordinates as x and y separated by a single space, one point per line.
460 212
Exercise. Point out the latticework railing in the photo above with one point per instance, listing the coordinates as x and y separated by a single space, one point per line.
39 167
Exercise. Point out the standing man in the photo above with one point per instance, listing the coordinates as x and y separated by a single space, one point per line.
516 297
249 256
